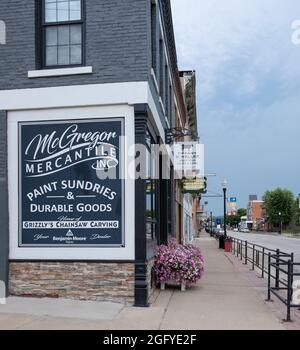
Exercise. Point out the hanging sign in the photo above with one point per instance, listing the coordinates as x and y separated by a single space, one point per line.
189 158
194 186
70 183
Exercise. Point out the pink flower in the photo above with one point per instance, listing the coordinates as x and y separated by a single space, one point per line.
182 263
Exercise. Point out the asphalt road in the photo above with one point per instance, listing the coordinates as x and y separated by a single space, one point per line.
285 244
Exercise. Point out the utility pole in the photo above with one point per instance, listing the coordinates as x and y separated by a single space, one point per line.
225 208
280 217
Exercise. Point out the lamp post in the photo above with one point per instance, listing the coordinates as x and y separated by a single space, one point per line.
225 185
211 223
280 218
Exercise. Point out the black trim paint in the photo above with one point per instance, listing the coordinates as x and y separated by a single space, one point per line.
163 206
141 285
4 218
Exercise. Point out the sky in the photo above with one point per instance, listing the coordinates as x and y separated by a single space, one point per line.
248 91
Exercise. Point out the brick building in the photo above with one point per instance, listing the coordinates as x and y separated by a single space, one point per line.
256 213
75 76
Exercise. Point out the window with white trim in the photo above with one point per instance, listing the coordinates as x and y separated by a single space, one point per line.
62 33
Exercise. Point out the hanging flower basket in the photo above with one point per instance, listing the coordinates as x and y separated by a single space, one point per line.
177 263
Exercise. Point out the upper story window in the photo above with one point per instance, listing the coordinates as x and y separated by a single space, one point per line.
154 35
62 33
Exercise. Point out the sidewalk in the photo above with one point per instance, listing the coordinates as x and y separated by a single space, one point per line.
224 299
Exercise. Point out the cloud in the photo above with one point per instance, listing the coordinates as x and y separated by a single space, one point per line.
214 34
248 76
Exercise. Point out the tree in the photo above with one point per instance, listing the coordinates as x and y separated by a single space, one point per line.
234 220
242 212
280 206
297 212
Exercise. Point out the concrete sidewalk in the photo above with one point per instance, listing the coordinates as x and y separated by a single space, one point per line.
224 299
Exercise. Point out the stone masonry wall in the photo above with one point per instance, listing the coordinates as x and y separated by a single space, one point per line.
74 280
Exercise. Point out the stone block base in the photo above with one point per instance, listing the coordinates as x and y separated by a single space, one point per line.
74 280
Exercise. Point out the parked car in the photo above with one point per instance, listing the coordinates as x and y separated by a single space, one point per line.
218 232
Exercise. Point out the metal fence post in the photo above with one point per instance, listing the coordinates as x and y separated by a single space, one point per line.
241 257
277 269
292 266
253 258
269 277
246 252
290 291
263 264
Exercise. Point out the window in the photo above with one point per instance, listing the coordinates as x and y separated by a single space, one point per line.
62 33
153 35
161 68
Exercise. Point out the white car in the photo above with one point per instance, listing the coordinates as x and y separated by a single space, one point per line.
245 230
235 230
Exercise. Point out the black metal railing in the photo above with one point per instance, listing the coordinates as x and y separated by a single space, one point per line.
278 266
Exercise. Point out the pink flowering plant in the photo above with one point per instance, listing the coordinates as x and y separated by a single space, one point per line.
177 262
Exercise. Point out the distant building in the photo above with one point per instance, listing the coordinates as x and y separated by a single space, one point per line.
256 213
191 205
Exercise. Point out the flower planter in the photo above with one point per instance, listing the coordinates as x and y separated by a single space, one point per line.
178 264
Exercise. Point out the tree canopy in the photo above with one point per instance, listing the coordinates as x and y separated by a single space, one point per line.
280 205
234 220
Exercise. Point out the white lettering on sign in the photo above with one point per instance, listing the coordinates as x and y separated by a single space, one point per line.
56 225
189 158
50 188
50 153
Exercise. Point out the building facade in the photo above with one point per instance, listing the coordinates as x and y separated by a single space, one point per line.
256 214
81 84
191 220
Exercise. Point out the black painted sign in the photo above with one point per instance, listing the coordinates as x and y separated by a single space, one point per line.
70 183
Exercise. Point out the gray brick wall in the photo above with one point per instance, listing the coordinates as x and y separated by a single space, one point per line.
117 43
4 200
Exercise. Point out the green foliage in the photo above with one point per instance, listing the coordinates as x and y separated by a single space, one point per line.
297 213
242 212
280 201
235 220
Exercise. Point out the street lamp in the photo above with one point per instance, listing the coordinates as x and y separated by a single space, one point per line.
280 217
224 186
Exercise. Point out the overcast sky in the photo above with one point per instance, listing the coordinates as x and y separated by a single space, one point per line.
248 76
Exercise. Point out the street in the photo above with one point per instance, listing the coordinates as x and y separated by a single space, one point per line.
285 244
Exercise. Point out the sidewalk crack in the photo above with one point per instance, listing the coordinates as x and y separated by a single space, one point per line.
28 322
165 311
